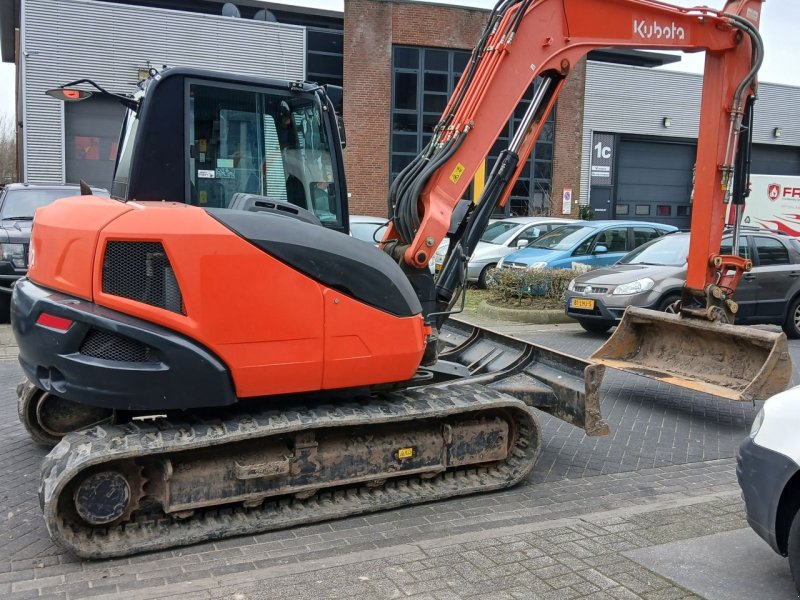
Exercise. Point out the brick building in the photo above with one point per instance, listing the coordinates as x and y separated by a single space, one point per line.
401 62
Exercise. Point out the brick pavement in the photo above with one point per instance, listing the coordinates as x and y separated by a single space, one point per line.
667 445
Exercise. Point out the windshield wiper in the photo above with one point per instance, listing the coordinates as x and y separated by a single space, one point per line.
18 218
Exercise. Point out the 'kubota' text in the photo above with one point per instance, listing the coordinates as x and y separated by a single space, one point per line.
653 30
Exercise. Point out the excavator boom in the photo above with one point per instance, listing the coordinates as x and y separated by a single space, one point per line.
544 39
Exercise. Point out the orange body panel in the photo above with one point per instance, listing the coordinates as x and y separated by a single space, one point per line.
74 234
276 329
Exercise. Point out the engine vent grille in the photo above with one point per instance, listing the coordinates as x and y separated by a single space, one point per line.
110 346
141 271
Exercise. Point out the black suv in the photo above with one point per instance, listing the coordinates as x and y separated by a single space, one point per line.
18 203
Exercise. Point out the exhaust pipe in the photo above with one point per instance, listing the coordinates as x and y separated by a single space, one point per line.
731 361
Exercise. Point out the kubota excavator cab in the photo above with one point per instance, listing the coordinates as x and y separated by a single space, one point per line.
202 137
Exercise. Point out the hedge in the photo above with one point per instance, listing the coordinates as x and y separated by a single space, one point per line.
511 286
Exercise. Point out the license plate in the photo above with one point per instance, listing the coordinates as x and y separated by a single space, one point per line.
437 267
586 303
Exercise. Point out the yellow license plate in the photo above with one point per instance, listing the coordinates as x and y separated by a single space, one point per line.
586 303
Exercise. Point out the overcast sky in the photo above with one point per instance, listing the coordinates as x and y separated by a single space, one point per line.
778 28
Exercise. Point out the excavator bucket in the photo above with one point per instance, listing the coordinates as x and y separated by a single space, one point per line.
730 361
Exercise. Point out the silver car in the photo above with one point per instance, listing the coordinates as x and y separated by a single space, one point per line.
653 275
368 229
501 237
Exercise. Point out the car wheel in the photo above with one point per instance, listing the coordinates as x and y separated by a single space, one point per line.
667 301
482 283
792 323
794 550
595 326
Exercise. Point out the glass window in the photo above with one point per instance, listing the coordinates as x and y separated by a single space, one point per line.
405 91
406 58
91 138
669 250
271 145
563 238
685 210
726 248
621 209
771 251
435 82
499 231
642 235
437 60
435 103
614 239
530 233
663 210
642 209
583 247
435 73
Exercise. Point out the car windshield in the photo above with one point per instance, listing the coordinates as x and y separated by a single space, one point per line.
500 232
670 250
562 238
21 204
366 231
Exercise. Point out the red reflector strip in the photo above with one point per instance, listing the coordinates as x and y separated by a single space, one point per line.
52 322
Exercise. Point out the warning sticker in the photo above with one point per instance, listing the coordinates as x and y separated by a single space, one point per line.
457 173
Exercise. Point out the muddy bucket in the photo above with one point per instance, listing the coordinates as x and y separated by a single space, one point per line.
731 361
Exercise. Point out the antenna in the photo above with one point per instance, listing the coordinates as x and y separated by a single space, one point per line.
229 9
265 15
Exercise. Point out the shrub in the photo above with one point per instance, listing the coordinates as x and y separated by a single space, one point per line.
511 286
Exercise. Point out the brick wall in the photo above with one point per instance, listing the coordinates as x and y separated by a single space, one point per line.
567 142
371 27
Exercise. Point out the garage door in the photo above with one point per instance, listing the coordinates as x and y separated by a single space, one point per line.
654 181
775 160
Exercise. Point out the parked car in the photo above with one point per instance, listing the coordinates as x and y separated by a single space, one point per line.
18 203
769 475
368 229
653 275
502 236
589 243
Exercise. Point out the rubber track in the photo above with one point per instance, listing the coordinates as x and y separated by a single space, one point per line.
147 532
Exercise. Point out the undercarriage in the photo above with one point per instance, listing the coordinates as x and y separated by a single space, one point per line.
114 490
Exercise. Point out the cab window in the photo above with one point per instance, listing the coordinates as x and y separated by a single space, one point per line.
268 144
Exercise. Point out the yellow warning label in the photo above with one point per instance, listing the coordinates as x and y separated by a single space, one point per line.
405 453
457 173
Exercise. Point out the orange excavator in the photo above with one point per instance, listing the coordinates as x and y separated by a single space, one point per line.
211 356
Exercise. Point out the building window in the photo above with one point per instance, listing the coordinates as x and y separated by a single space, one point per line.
324 55
685 210
642 209
621 209
664 210
422 81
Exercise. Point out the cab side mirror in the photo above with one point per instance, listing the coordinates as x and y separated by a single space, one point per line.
600 249
522 243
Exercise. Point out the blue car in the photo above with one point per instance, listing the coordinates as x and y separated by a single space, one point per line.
591 243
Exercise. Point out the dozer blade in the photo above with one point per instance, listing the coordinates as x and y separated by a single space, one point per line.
565 386
731 361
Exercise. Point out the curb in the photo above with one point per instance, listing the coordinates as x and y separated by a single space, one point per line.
524 315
